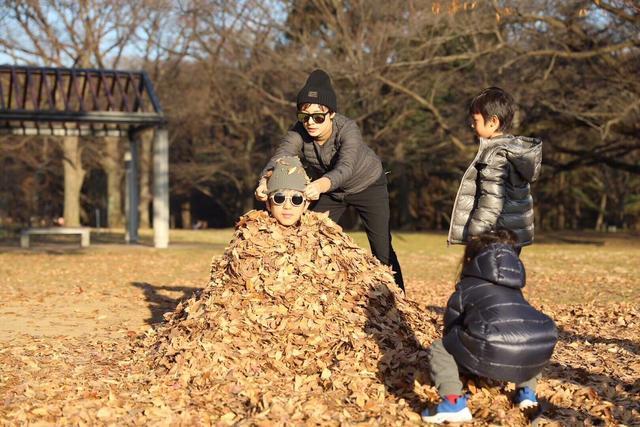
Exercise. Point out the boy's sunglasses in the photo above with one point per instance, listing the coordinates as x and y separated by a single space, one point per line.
318 118
278 199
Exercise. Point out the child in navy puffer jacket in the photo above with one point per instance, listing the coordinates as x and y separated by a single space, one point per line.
490 329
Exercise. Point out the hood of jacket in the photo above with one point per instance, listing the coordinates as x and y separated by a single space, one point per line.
498 264
525 154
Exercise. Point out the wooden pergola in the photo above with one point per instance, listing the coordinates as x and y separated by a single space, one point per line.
88 102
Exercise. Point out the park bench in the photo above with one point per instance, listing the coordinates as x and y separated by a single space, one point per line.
82 231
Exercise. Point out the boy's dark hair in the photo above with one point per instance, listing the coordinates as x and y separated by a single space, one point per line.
478 243
324 108
494 101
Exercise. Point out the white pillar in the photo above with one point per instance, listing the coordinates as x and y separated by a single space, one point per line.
161 188
131 200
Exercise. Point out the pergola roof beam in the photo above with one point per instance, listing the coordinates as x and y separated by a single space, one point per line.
55 101
37 94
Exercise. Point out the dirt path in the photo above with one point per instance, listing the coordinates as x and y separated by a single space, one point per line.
50 292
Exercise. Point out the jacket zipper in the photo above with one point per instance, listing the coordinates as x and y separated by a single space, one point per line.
481 147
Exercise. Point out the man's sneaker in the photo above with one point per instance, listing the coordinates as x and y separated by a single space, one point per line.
450 410
525 398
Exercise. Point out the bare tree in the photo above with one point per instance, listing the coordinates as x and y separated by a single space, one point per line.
227 74
87 34
30 184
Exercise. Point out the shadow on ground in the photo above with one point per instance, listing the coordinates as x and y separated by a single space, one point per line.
70 244
159 304
586 237
555 239
613 389
571 336
436 309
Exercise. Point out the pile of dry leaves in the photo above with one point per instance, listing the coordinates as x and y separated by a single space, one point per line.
296 324
301 326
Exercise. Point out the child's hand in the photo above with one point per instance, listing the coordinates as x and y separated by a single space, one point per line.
261 191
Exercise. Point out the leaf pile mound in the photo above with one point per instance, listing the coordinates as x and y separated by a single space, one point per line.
296 323
299 326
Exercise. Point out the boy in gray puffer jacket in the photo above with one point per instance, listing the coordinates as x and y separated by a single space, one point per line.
494 191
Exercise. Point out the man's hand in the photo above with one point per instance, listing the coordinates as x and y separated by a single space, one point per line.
311 191
317 187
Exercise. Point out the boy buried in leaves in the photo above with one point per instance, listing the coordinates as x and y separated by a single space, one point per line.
285 187
292 308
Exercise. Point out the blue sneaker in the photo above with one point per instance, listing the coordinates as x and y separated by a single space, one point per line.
525 398
448 411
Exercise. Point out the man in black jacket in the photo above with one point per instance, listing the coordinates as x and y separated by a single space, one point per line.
345 171
490 330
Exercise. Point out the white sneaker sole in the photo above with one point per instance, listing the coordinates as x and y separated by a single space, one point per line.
449 417
526 404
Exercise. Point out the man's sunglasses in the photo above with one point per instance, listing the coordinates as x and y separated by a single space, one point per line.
318 118
278 199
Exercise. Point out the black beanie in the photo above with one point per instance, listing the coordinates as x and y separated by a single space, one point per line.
318 90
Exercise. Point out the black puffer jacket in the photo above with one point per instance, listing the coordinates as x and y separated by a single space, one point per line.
494 191
349 163
490 329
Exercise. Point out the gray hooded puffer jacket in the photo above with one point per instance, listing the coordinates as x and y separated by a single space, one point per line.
494 191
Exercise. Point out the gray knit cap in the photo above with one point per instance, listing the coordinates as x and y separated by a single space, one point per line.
288 174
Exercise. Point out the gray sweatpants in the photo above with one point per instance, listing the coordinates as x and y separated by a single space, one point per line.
445 373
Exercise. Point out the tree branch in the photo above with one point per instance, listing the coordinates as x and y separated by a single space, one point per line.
428 105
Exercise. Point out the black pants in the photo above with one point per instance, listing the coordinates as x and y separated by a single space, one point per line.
372 204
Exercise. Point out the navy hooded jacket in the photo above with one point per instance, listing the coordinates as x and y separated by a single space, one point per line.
490 329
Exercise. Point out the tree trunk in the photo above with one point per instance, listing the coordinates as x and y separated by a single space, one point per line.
73 178
623 196
185 212
112 166
561 217
399 176
577 213
561 224
146 147
250 177
249 200
601 212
